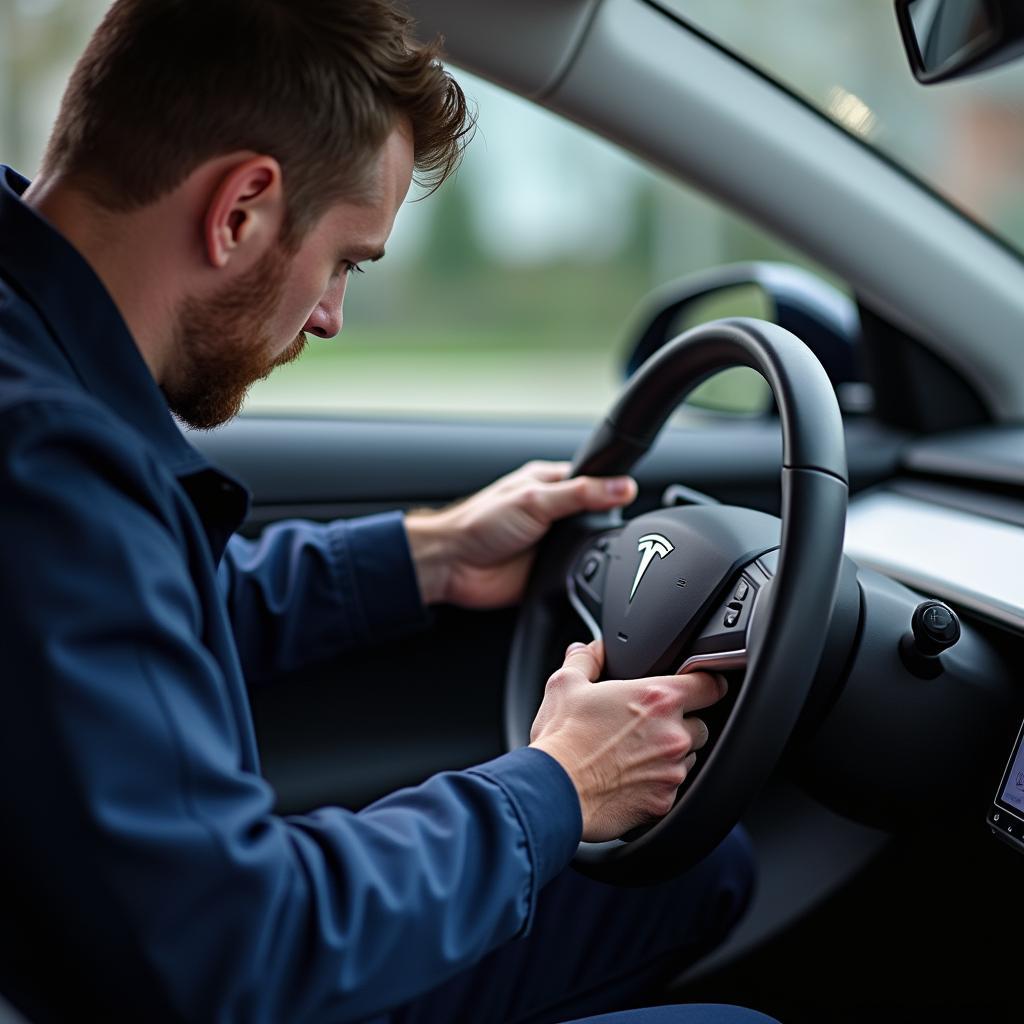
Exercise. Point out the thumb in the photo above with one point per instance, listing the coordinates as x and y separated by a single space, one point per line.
584 494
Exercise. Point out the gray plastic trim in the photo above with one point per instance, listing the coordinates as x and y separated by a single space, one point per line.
992 454
525 46
719 662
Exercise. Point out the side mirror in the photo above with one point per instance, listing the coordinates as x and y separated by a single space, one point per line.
825 318
947 39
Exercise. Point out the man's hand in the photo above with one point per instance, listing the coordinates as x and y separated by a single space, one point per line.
478 552
625 744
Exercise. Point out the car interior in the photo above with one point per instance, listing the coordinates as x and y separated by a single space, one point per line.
881 886
871 735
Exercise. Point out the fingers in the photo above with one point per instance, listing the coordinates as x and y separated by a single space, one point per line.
550 501
668 695
546 472
702 689
586 658
536 471
697 731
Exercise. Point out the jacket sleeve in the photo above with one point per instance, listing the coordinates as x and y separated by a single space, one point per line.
304 592
145 850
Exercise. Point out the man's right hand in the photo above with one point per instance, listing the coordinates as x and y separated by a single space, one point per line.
627 745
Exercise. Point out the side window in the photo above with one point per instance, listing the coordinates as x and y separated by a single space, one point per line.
39 43
513 290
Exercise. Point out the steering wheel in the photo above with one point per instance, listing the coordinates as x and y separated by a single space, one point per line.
711 587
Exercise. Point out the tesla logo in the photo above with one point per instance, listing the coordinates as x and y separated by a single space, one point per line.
651 545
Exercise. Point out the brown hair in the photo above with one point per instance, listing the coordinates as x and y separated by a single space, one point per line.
166 84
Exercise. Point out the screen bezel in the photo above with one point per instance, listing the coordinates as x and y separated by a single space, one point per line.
1017 812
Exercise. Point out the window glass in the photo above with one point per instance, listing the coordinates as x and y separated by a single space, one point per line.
511 292
514 290
965 138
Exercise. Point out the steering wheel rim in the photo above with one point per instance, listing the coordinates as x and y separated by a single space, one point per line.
793 608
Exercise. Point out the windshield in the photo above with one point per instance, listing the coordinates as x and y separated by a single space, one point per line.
964 139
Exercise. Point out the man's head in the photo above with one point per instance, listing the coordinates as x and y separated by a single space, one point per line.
270 144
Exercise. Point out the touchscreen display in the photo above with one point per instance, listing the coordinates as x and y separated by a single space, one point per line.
1012 795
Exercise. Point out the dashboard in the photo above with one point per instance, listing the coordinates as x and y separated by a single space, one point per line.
952 527
916 535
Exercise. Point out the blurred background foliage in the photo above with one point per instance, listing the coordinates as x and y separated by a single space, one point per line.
513 290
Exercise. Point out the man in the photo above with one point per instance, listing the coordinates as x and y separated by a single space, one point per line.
217 171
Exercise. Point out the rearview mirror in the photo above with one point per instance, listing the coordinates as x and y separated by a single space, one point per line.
947 39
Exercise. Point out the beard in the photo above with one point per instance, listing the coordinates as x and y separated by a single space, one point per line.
222 346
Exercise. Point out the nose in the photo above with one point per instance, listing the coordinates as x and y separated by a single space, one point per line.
326 319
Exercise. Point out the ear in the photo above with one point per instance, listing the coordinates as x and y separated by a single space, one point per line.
245 212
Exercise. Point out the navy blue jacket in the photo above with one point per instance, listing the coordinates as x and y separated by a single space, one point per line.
143 873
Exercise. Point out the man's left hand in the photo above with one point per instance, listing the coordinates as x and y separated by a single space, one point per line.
478 552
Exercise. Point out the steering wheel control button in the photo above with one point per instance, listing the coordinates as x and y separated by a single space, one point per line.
741 591
722 643
586 585
590 570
